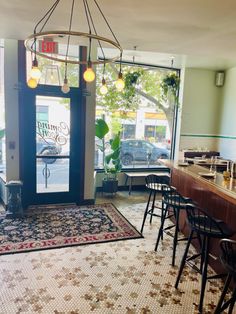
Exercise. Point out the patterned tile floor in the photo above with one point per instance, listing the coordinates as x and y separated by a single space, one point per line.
125 277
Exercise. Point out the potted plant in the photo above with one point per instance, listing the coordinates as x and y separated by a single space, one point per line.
170 86
112 166
111 161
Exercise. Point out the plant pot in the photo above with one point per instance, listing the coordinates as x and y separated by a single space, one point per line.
110 186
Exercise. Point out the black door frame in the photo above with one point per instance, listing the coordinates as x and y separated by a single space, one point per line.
27 143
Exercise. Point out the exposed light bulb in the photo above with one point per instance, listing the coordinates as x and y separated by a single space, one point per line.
120 84
89 75
65 87
35 73
103 88
32 83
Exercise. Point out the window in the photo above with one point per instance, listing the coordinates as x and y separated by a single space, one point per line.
128 131
155 133
143 113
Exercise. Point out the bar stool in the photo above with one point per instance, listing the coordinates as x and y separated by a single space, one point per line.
206 228
172 202
154 184
228 260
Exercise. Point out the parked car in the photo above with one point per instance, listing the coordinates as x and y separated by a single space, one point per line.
48 148
141 150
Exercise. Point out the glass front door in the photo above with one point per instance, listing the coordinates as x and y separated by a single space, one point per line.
52 144
52 140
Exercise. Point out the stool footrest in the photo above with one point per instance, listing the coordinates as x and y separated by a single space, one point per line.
226 304
169 227
217 276
183 239
193 266
153 214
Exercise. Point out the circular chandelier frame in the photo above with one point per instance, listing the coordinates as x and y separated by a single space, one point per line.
37 36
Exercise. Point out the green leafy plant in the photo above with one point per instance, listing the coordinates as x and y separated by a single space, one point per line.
131 80
170 83
112 160
101 129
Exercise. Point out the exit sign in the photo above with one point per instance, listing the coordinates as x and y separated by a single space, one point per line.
48 46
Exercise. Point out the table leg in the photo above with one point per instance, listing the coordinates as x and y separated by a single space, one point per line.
126 179
130 184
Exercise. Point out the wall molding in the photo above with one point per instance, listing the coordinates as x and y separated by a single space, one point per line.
231 137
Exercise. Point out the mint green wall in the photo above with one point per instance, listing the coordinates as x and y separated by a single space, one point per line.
201 102
200 110
227 125
209 112
228 114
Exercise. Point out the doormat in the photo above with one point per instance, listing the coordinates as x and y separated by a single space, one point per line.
53 226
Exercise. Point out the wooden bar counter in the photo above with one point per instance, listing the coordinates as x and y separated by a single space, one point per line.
215 195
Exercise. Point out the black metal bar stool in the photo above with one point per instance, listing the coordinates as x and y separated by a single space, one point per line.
228 260
206 227
172 202
154 184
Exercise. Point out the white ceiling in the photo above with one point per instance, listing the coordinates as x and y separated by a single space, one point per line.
199 33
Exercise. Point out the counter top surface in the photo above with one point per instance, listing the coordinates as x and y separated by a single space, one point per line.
217 183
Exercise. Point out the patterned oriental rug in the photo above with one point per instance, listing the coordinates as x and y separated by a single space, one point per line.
55 226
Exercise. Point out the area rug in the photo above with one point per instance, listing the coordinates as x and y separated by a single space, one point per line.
56 226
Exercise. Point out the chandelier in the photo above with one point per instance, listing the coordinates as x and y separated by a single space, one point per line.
61 44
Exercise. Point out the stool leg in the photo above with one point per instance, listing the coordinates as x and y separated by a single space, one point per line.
232 302
161 227
202 253
220 302
204 273
162 213
153 204
146 211
175 240
183 259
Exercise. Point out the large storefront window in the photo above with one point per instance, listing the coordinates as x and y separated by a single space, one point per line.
143 113
2 111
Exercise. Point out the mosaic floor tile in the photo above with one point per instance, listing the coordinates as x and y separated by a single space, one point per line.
125 277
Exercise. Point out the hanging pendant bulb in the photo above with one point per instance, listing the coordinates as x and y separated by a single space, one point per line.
120 84
89 75
103 88
35 72
65 87
32 83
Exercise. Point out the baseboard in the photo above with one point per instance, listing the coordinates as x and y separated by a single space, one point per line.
126 188
87 202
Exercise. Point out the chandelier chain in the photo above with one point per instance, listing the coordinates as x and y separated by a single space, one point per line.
68 39
94 28
106 22
92 36
49 13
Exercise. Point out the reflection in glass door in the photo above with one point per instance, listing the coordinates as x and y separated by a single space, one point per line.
52 144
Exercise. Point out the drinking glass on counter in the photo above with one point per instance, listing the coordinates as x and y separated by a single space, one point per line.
213 165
